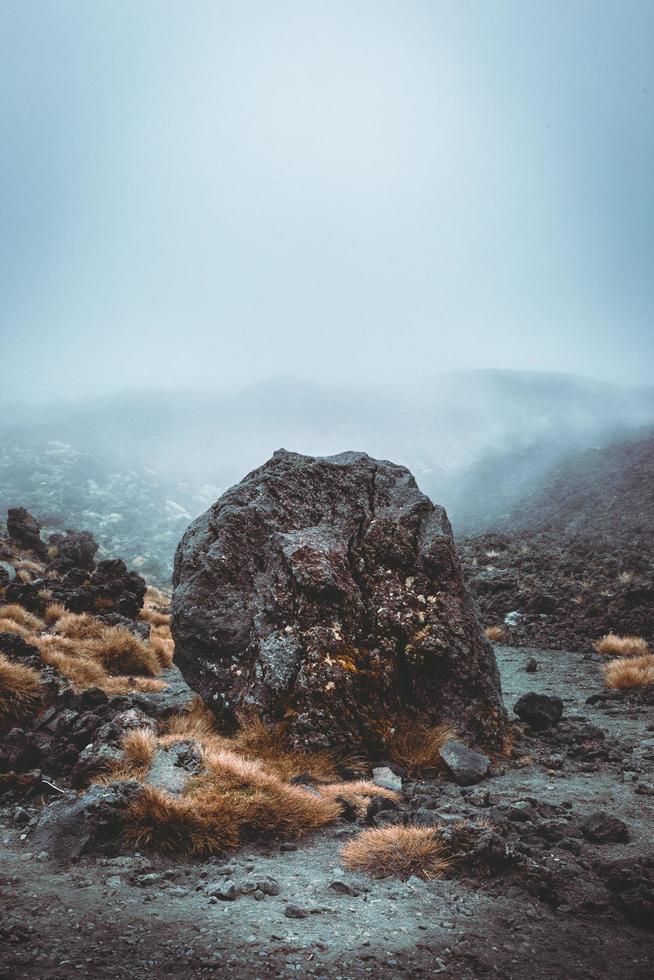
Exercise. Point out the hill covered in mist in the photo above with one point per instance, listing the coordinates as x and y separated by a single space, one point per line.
135 468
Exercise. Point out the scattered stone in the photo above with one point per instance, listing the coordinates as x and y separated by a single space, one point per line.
69 829
466 766
385 777
539 711
343 888
531 666
602 828
295 912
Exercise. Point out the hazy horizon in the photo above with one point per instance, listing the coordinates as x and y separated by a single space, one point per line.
208 195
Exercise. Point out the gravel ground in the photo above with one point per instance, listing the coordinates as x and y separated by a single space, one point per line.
143 916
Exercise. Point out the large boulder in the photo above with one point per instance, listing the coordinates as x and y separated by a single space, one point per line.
326 592
25 531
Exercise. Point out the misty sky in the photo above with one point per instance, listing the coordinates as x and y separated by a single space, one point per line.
215 192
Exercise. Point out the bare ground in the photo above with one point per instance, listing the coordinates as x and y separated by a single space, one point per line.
105 918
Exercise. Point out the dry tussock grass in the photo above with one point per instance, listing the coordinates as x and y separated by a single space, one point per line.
53 612
255 741
20 687
80 671
11 626
163 649
397 852
120 652
21 616
139 747
622 646
416 747
629 671
358 793
80 626
494 633
154 617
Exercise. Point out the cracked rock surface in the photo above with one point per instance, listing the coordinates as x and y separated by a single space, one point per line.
326 592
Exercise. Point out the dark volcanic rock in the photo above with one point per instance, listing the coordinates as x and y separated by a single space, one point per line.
327 592
540 711
111 588
602 828
94 821
24 530
72 549
466 766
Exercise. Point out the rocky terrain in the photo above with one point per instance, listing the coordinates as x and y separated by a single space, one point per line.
576 559
553 893
144 835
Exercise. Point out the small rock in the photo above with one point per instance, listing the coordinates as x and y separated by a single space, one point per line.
531 666
602 828
343 888
466 766
295 912
383 776
539 711
225 891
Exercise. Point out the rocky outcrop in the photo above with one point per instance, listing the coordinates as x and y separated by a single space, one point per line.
25 531
326 593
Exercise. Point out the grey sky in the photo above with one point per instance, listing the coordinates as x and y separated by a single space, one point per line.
215 192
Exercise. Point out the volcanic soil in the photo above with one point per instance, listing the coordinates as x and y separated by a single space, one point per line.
147 916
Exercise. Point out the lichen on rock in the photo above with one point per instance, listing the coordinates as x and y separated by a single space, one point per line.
326 593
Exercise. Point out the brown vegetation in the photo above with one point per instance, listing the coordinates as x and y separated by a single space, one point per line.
21 616
622 646
629 671
494 633
416 747
120 652
20 687
397 852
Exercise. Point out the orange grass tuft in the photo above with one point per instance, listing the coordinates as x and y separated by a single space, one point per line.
396 852
80 626
629 672
163 650
53 612
11 626
255 740
21 616
416 747
20 688
120 652
139 747
622 646
494 633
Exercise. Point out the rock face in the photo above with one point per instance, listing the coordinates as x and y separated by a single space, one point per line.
326 593
24 530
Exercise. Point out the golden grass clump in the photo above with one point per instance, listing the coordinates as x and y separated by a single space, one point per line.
80 626
123 685
254 740
80 671
21 616
163 649
11 626
397 852
53 612
494 633
154 617
177 823
120 652
629 671
20 688
416 747
139 747
622 646
358 792
236 799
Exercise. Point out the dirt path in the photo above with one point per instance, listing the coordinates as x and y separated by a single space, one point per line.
107 918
